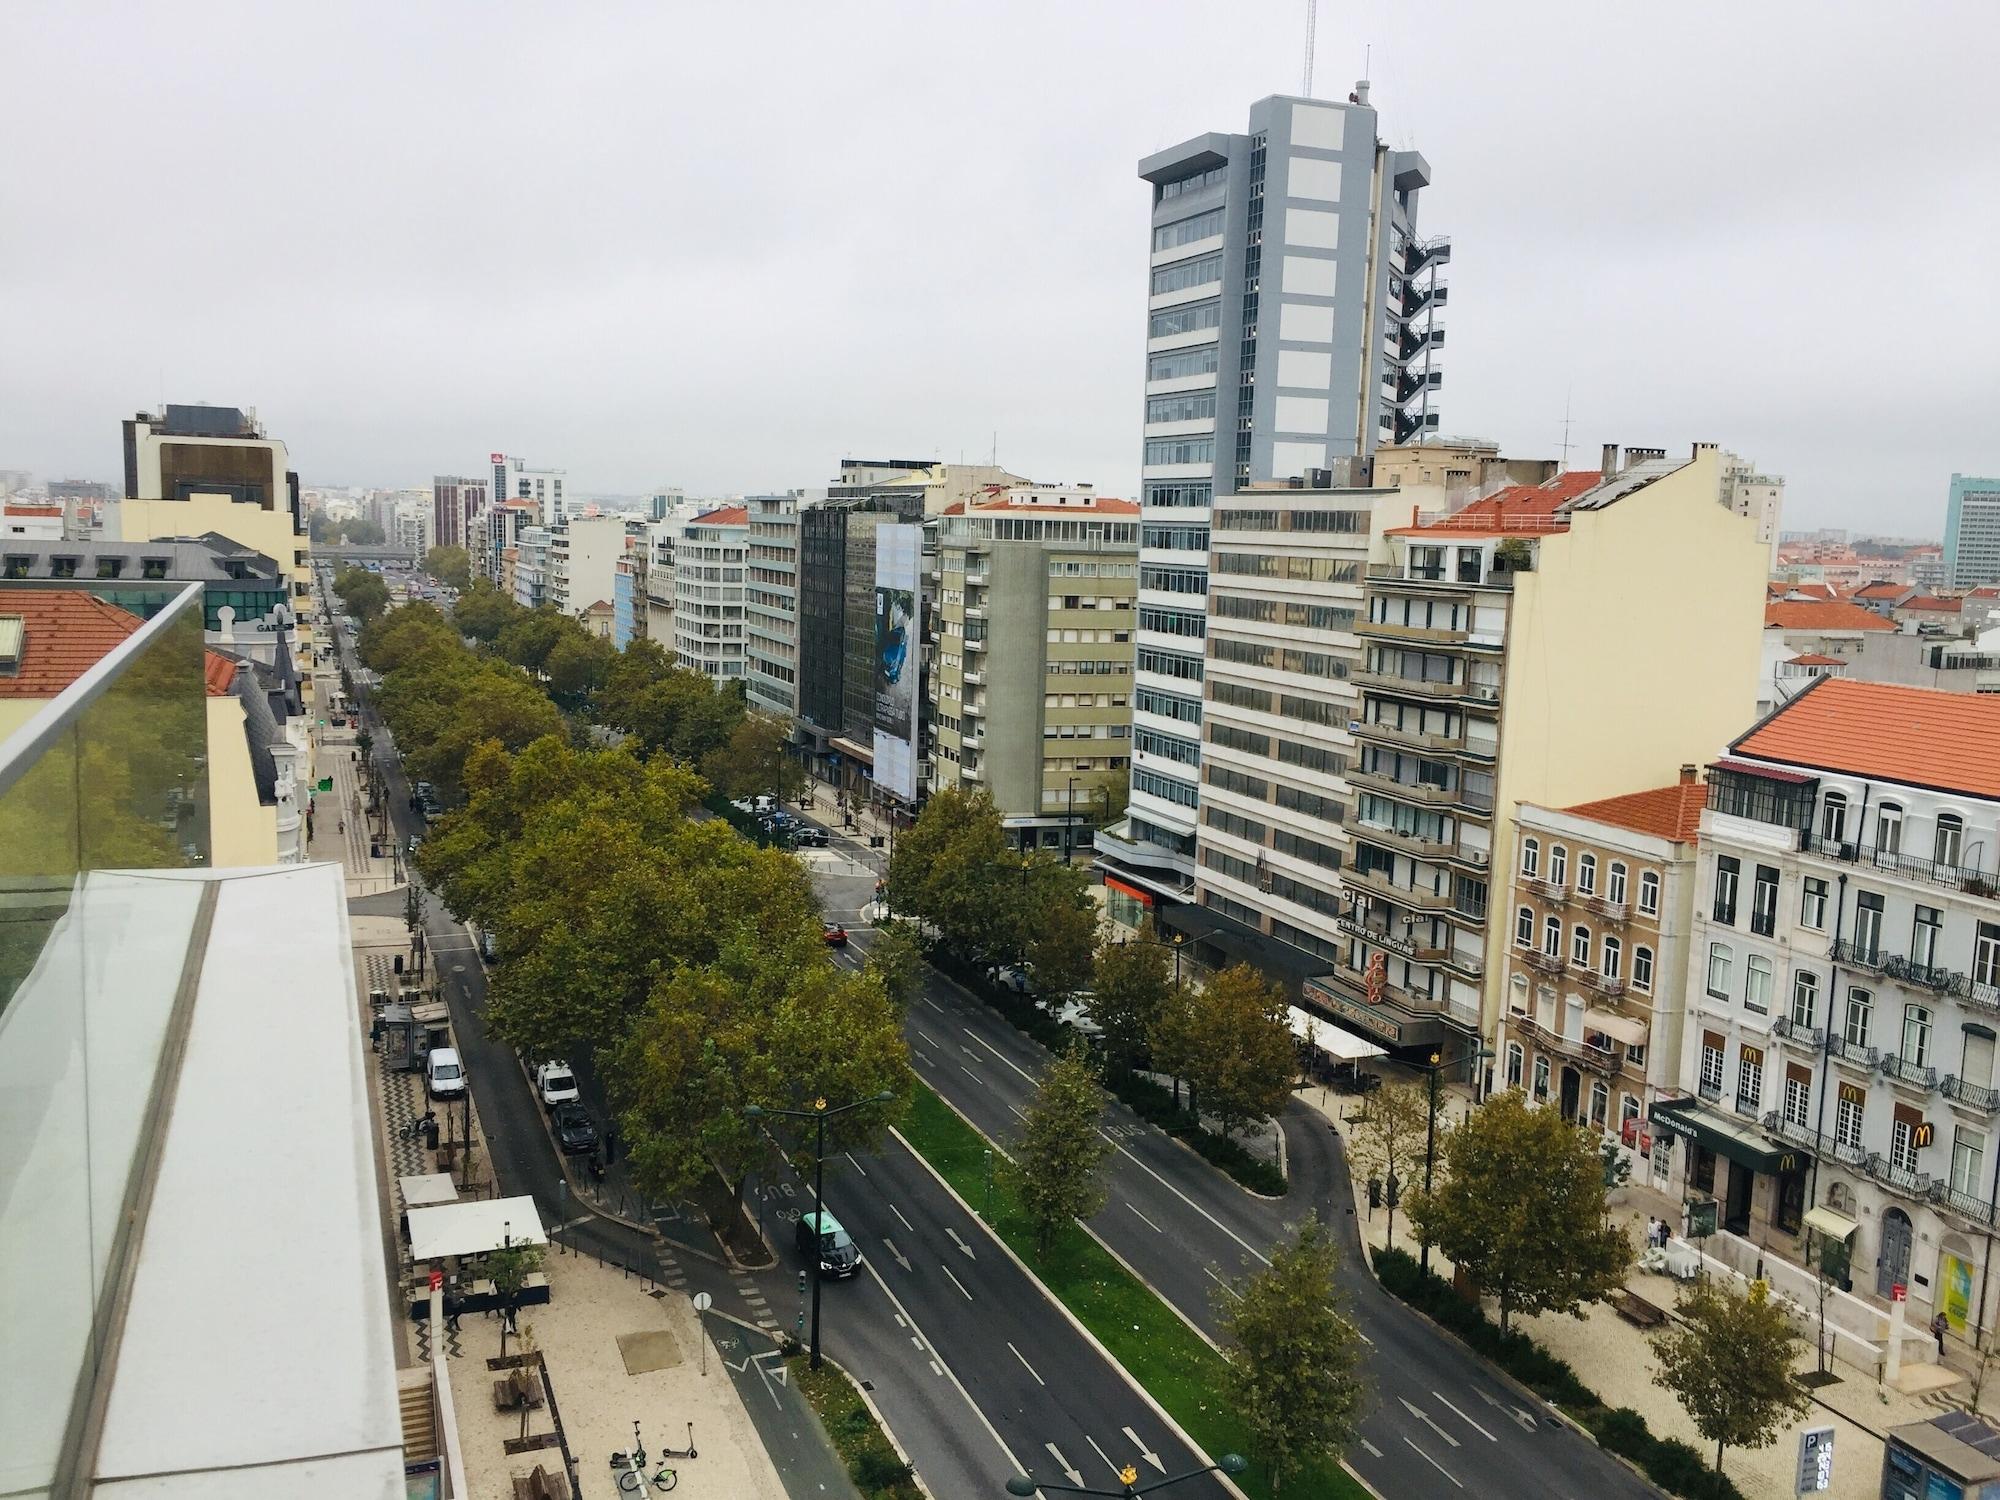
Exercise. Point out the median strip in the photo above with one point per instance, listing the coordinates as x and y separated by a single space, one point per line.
1175 1365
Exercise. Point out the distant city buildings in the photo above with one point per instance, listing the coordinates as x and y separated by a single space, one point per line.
455 502
1972 532
514 480
708 623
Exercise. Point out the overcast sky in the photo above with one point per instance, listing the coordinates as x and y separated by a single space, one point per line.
724 245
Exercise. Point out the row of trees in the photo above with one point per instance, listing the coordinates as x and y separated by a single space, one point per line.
451 566
362 592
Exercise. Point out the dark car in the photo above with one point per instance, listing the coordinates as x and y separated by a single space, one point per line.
805 836
834 933
422 794
576 1132
826 1246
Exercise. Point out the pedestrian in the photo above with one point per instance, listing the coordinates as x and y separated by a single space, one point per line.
1665 1233
1938 1326
1652 1232
610 1144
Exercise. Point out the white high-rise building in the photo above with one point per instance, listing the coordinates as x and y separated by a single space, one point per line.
709 552
514 480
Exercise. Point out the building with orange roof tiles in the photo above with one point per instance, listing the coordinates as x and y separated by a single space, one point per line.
1843 995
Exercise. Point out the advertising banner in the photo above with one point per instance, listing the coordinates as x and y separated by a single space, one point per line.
1955 1296
898 657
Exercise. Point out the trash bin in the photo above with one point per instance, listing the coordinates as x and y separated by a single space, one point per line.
875 841
1374 1192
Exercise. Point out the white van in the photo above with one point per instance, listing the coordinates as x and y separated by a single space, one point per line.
444 1073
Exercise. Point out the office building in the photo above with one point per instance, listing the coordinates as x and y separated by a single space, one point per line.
514 480
455 501
498 530
31 521
1311 207
771 603
1596 953
1972 532
663 502
583 556
1844 990
628 597
1030 682
1761 497
409 528
708 592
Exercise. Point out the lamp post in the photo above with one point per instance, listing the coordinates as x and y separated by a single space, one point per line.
1434 1067
1069 824
819 1114
1128 1477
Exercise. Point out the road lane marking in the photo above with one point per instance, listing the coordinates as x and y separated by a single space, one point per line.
899 1320
1373 1451
1154 1227
895 1254
1102 1454
854 1164
899 1214
1026 1366
933 1004
1467 1420
956 1282
923 1057
961 1243
1526 1421
1424 1417
1144 1452
970 1074
1074 1476
1221 1283
936 1368
927 1036
1018 1110
1435 1464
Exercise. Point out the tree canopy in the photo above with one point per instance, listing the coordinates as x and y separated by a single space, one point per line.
362 592
1390 1136
1055 1165
756 760
1729 1363
1130 985
449 565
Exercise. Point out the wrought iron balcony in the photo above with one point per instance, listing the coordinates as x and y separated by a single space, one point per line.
1842 1050
1917 1075
1810 1038
1746 1104
1979 1210
1903 1180
1915 867
1711 1092
1971 1095
1555 892
1797 1132
1609 986
1611 911
1544 963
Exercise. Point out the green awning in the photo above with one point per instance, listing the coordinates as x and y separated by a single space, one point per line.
1726 1135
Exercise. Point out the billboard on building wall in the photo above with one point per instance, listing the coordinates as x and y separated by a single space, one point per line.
898 657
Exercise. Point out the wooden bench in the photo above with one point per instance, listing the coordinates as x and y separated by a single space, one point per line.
519 1389
1637 1311
540 1484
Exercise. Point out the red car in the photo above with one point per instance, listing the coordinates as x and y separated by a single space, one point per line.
834 933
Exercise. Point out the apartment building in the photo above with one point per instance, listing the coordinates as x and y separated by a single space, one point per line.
709 561
628 597
409 527
455 501
533 566
1536 645
1760 497
1312 208
771 603
1972 532
1029 692
659 590
514 480
583 561
1595 962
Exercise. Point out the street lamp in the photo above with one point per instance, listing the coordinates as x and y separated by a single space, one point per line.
1069 825
819 1114
1435 1066
1027 1484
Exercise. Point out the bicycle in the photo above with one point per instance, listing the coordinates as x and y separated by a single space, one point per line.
631 1468
415 1128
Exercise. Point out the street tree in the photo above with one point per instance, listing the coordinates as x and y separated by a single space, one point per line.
528 640
1294 1360
576 668
1728 1362
362 592
945 867
898 961
1828 1258
1056 1163
1520 1209
1241 1059
451 566
756 760
1174 1034
1058 927
1130 984
482 611
406 635
1388 1138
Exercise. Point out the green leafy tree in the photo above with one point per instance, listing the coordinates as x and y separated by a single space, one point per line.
641 664
897 960
528 640
756 760
1729 1363
449 565
1521 1210
359 531
1056 1163
1130 985
1388 1139
1242 1058
577 667
362 593
1059 928
1294 1360
945 868
482 611
1174 1034
407 635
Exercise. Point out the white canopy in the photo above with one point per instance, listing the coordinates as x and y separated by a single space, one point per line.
1330 1039
473 1228
428 1190
1621 1028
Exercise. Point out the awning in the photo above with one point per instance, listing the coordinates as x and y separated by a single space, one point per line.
1620 1028
1725 1135
1341 1045
474 1228
1387 1022
854 749
1834 1226
1769 773
1245 944
428 1190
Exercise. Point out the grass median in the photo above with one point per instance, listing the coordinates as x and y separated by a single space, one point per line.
1177 1367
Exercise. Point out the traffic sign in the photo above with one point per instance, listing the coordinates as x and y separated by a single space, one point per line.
703 1302
1815 1460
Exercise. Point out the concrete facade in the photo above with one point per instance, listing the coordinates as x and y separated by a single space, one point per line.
1972 532
708 593
771 603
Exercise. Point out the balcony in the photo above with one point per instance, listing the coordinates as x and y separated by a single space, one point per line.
1408 843
1854 1054
1975 1096
1388 630
1370 932
1914 1075
1380 884
1710 1093
1914 867
1414 687
1979 1210
1797 1132
1544 963
1410 791
1902 970
1905 1180
1552 891
1609 986
1747 1105
1434 582
1611 911
974 677
1597 1059
1410 739
1805 1038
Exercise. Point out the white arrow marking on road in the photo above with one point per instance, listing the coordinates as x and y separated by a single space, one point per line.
1434 1464
1527 1422
1074 1476
1144 1452
961 1244
956 1282
1418 1412
922 1057
1467 1420
896 1255
1026 1366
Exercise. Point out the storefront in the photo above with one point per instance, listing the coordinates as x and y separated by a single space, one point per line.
1755 1182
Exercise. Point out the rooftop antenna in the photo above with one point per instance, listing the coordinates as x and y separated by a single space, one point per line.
1312 25
1565 442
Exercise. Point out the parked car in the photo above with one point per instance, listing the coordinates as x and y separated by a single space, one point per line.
834 933
826 1245
1012 977
805 836
555 1083
576 1132
444 1073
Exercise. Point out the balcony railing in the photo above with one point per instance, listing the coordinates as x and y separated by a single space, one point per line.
1711 1092
1382 885
1807 1037
1611 911
1394 682
1979 1210
1903 970
1971 1095
1598 1059
1840 1049
1409 843
1916 867
1410 791
1915 1074
1796 1131
1395 734
1544 963
1552 891
1902 1179
1607 985
1746 1104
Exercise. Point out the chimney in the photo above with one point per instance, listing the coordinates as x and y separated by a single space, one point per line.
1361 93
1687 775
1608 464
1701 448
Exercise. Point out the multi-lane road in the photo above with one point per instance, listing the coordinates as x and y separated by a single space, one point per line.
974 1368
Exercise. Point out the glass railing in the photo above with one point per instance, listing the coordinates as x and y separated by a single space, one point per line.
103 796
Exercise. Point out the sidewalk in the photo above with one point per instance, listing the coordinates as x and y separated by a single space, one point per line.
1616 1360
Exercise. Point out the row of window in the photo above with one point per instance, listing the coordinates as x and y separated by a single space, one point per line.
1173 580
1181 275
1183 622
1610 960
1292 520
1193 318
1277 658
1615 882
1181 364
1166 788
1629 1107
1174 538
1293 568
1170 747
1194 448
1167 705
1194 181
1282 612
1170 664
1178 494
1203 226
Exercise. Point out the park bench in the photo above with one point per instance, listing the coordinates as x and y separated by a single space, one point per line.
540 1484
519 1389
1637 1311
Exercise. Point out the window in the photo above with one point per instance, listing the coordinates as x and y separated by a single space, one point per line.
1552 936
1986 955
1860 1011
1191 319
1192 449
1579 947
1649 894
1524 927
1636 1056
1711 1063
1541 1077
1968 1154
1924 932
1757 984
1950 836
1183 406
1186 231
1600 1103
1614 957
1798 1097
1764 902
1833 817
1867 926
1516 1057
1847 1117
1558 865
1615 890
1642 969
1586 874
1728 870
1903 1143
1889 829
1812 904
1181 275
1917 1035
1805 999
1531 857
1750 1079
1179 364
1719 961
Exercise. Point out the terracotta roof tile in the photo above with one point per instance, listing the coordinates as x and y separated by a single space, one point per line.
1881 590
1914 735
1667 812
1811 659
220 671
66 632
1814 614
1526 509
728 515
1932 603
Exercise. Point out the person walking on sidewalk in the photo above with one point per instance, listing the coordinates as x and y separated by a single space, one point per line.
1939 1325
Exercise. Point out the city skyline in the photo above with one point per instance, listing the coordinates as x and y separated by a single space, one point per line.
426 269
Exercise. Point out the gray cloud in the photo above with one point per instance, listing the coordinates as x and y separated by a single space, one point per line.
722 246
